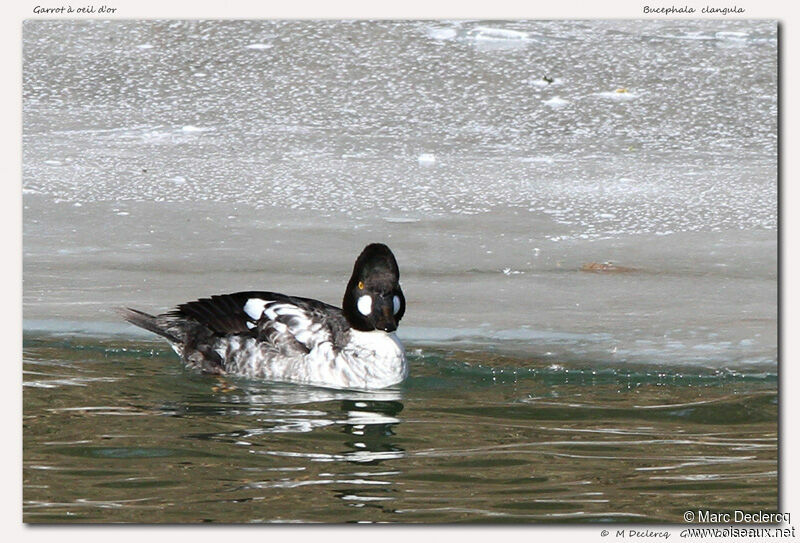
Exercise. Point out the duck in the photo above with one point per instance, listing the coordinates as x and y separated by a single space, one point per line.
275 337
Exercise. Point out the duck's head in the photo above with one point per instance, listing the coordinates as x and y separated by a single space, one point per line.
373 299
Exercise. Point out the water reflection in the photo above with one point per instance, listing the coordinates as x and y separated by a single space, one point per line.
366 419
365 423
256 393
371 425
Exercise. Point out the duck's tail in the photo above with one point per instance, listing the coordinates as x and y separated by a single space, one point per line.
146 321
194 342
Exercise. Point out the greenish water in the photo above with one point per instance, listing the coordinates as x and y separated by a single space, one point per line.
116 430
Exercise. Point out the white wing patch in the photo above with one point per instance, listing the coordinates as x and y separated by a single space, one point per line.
396 304
255 308
277 310
287 318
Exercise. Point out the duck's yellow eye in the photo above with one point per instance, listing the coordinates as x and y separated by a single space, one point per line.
361 284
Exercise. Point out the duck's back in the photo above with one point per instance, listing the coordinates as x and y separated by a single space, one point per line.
253 333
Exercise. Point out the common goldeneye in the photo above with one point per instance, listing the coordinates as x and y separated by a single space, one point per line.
284 338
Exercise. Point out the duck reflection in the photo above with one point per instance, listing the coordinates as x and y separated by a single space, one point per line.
294 441
366 418
371 423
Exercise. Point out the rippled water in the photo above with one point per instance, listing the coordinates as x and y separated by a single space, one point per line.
115 430
585 218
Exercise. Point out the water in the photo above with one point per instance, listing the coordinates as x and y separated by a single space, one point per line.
117 431
585 218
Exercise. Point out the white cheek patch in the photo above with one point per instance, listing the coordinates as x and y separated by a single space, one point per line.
396 304
364 305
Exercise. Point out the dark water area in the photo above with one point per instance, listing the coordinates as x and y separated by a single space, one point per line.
115 430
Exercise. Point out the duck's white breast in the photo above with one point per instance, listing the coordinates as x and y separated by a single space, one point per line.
368 360
372 360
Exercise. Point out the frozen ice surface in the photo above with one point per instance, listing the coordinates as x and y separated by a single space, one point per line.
235 155
495 33
427 158
442 33
620 94
555 101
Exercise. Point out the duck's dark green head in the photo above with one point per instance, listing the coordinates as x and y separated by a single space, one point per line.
373 299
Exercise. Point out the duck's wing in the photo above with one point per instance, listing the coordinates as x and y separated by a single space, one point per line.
284 321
